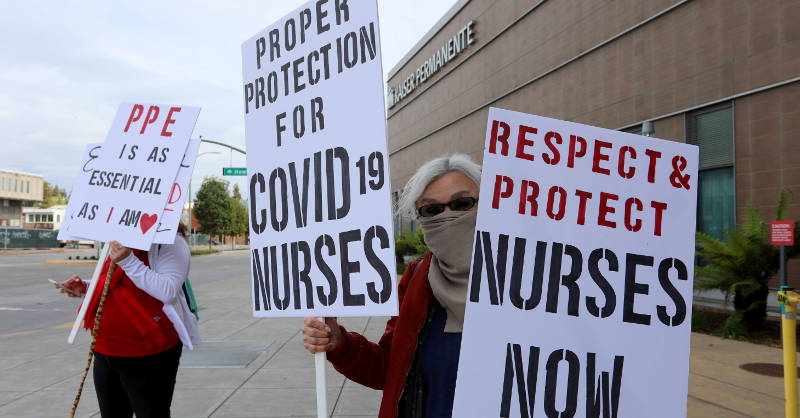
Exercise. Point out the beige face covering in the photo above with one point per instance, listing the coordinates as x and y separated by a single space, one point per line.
449 235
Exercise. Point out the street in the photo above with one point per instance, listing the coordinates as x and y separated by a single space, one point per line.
29 302
250 367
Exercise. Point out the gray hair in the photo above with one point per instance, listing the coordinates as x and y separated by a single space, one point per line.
429 172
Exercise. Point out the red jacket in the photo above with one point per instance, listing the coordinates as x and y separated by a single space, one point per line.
385 365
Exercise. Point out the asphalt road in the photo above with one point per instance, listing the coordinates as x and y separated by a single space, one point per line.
29 302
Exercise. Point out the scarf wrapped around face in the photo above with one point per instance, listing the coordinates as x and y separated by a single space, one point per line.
449 235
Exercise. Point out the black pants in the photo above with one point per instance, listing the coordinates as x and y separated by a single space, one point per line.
143 385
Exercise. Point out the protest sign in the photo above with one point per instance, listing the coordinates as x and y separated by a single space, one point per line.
579 301
165 234
321 236
124 196
177 196
90 154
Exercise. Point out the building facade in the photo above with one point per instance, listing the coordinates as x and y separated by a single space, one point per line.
722 74
43 218
18 189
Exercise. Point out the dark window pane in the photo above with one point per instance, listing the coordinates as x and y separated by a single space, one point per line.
712 131
715 203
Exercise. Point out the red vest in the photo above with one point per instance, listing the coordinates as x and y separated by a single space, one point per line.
133 322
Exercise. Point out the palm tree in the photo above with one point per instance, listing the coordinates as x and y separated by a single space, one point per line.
742 264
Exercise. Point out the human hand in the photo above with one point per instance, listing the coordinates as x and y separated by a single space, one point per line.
319 337
72 287
118 252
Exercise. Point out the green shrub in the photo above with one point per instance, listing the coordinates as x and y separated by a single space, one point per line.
735 327
409 243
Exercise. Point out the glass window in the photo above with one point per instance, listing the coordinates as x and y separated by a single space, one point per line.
712 130
58 218
15 185
50 218
633 130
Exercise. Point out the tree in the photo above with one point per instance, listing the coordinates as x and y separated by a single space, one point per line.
742 265
239 221
212 207
52 196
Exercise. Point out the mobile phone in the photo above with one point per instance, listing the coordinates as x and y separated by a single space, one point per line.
60 286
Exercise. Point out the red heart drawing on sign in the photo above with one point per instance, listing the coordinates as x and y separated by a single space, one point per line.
147 221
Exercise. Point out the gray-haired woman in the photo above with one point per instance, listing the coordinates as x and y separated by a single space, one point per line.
416 360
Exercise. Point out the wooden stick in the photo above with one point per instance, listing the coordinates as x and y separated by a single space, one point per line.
95 329
89 292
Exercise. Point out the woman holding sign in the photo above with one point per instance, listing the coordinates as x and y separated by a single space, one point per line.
145 323
416 360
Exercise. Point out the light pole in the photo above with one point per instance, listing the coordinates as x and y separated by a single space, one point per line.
191 207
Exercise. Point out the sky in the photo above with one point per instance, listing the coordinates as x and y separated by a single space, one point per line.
66 67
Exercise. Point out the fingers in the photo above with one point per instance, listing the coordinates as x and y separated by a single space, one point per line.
313 349
314 323
314 332
317 336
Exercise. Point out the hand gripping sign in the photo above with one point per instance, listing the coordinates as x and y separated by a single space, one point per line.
321 240
581 283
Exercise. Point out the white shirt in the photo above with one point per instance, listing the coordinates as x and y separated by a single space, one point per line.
163 280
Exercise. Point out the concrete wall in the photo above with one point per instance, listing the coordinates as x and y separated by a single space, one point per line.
676 55
700 51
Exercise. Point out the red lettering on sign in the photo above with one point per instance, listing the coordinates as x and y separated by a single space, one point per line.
136 113
152 115
523 142
605 209
169 121
498 183
502 138
599 156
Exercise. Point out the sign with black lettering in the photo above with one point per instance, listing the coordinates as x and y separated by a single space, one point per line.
580 293
123 195
90 154
172 212
321 239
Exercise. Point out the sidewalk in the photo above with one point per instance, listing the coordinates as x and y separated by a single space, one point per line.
39 372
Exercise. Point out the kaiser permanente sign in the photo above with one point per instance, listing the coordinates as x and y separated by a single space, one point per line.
454 46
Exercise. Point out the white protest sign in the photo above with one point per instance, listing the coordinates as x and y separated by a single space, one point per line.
321 236
580 293
127 190
172 212
90 153
165 234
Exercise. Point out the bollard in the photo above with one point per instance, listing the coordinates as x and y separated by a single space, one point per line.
788 299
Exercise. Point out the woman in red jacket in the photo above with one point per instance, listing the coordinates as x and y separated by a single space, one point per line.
416 360
144 326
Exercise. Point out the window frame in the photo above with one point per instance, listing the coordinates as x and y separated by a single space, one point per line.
689 134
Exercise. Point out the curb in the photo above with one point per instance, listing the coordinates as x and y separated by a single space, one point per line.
87 262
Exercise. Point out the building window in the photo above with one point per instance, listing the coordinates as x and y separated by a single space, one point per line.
633 129
50 218
15 185
712 130
58 218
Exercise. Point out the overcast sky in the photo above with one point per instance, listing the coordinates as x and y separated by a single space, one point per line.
66 66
